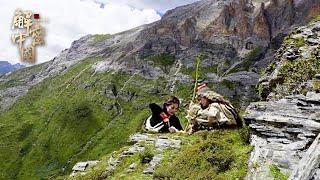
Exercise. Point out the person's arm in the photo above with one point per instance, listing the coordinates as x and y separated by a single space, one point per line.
191 117
193 111
159 117
213 113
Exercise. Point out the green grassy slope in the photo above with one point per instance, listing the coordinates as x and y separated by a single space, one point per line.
70 117
77 116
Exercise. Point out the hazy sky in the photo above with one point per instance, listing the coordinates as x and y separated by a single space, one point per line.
66 21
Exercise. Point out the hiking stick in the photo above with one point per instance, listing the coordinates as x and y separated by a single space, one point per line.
197 60
196 80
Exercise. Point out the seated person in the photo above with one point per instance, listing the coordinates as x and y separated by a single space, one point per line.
212 112
164 119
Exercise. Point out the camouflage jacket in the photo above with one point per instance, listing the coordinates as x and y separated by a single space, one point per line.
215 114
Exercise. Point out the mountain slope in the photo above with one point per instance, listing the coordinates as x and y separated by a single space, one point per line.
71 117
89 99
233 55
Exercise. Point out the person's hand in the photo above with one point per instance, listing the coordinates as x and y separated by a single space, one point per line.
165 118
173 129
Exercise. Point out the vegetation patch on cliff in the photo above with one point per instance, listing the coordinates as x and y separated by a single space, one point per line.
296 63
101 37
220 154
164 61
295 72
277 174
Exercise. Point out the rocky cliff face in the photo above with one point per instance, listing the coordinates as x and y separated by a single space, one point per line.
235 37
296 62
282 132
238 23
285 128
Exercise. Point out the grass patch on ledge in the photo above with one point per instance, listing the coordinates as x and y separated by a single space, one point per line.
220 154
101 37
276 173
299 42
294 73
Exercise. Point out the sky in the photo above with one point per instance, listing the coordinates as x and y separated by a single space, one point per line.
66 21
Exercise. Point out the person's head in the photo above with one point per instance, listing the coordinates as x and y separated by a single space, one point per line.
203 100
171 106
207 96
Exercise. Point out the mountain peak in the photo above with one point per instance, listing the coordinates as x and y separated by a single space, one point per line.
6 67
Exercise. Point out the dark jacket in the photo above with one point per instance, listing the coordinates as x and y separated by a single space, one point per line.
156 119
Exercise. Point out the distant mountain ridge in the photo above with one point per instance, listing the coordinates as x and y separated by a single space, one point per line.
5 67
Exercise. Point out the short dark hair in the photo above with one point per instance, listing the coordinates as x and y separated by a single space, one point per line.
171 100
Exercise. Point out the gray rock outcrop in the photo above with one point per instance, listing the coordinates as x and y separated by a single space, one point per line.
309 165
158 143
282 131
302 44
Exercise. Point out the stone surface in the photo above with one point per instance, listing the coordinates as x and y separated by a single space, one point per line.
247 78
80 167
291 54
158 141
153 163
133 166
163 143
140 137
309 165
133 149
282 131
301 43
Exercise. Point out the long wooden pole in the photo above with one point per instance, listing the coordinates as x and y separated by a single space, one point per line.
196 80
197 60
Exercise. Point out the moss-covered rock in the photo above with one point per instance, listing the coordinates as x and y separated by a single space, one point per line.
296 62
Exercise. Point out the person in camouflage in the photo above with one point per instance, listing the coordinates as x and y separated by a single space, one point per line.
212 112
